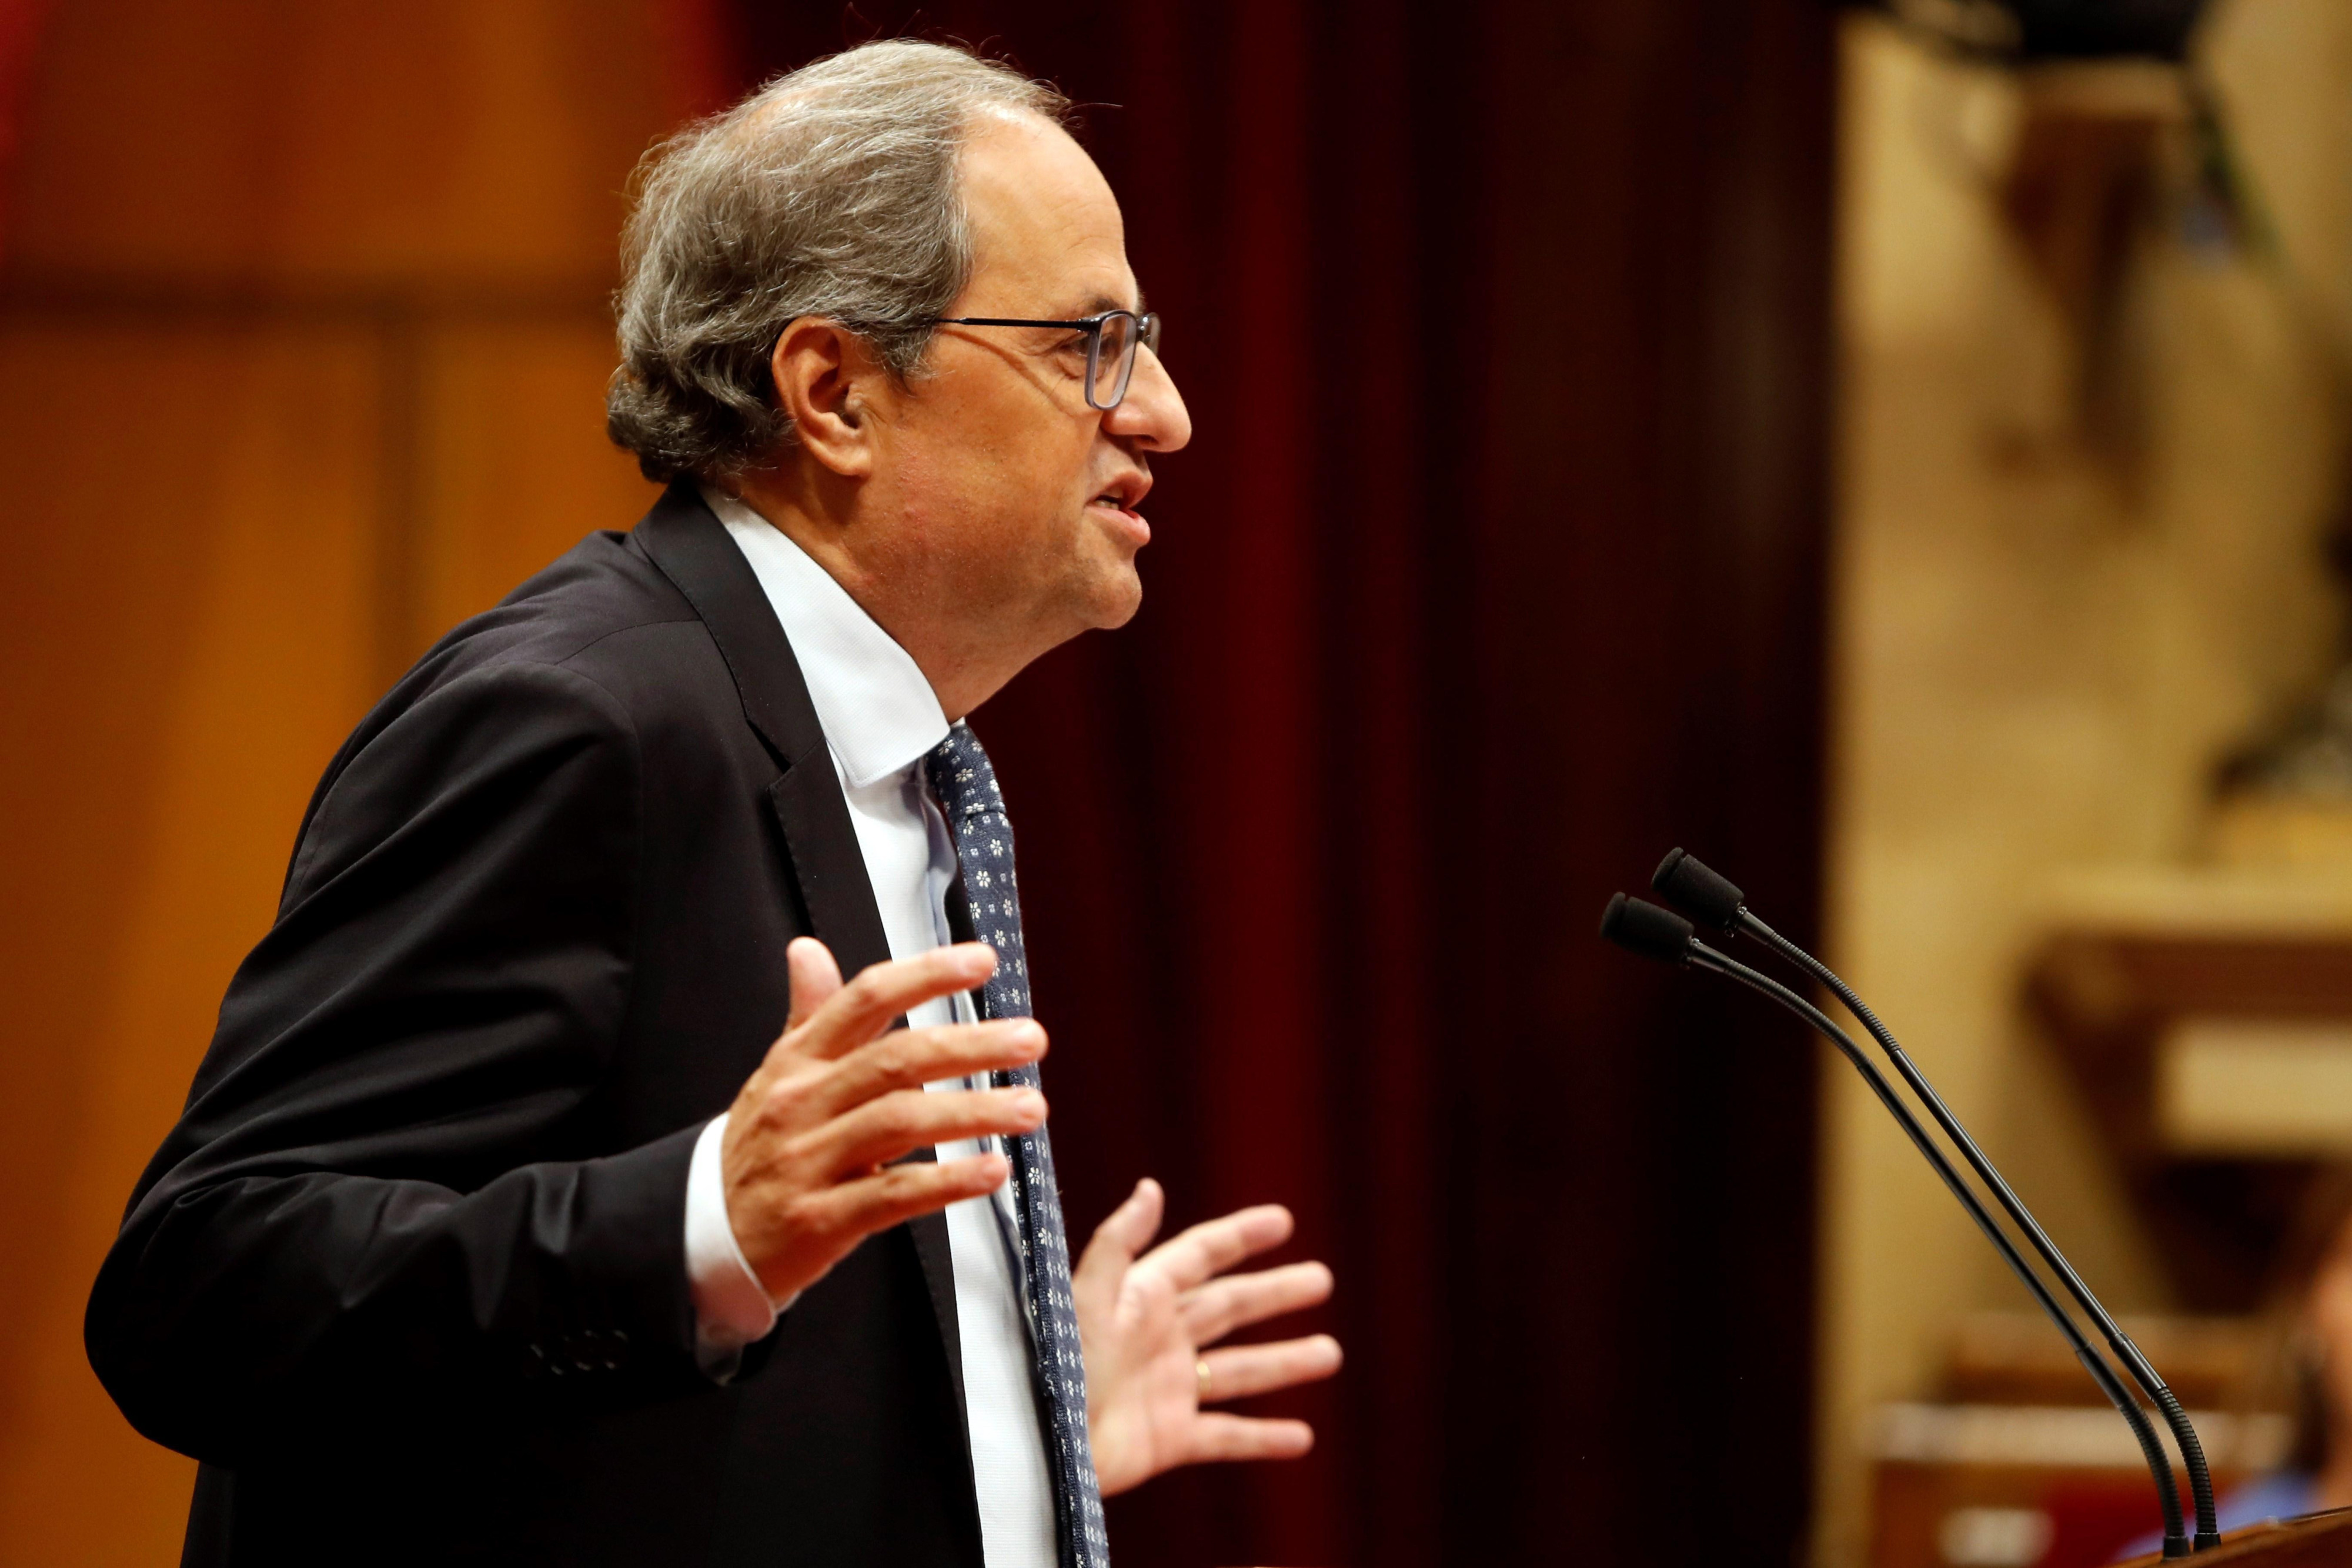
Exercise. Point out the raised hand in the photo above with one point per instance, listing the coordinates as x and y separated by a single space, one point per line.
806 1155
1145 1324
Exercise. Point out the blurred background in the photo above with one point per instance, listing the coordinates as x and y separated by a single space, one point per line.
1897 452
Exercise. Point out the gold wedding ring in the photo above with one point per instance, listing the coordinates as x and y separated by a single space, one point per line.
1201 1374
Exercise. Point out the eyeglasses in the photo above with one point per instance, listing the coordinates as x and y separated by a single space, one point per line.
1112 338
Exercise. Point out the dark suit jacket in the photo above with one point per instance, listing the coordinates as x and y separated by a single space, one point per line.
409 1275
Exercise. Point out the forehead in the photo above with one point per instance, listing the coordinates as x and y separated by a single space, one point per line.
1043 219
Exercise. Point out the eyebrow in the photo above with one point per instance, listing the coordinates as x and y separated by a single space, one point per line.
1103 302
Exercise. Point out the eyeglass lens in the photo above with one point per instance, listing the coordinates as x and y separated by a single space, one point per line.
1115 348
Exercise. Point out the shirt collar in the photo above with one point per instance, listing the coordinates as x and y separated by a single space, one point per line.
877 710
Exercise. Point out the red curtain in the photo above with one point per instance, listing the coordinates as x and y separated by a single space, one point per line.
1495 570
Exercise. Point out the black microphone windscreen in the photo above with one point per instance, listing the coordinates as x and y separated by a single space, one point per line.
1646 929
1684 881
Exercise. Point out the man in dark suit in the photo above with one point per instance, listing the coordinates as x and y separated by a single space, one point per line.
501 1224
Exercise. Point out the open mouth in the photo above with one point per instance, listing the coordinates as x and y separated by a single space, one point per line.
1125 493
1121 501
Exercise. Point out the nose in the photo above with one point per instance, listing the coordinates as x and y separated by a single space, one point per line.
1152 414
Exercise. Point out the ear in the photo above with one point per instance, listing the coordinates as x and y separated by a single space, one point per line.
828 382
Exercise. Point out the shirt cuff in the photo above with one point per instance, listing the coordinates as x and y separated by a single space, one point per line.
731 1309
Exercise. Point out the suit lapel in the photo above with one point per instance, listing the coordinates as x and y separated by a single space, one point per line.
692 548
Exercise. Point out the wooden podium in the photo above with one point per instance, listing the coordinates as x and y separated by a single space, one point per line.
2316 1541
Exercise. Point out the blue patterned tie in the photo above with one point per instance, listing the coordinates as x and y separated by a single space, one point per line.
965 787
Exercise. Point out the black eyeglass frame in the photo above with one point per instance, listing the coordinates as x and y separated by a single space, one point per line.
1147 336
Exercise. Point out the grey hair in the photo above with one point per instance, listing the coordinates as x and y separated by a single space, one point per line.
831 191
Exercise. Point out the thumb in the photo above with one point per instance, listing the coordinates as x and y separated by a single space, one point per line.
1128 1231
814 977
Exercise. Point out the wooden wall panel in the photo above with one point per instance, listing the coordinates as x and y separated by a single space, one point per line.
302 350
187 645
517 468
432 141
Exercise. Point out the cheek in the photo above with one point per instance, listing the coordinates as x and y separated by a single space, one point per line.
1005 472
973 522
1020 445
1043 470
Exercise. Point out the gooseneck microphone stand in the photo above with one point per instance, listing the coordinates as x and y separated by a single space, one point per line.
1711 898
1658 933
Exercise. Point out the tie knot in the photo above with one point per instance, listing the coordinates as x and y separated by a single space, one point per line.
961 780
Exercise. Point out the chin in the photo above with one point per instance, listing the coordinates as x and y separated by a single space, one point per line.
1114 602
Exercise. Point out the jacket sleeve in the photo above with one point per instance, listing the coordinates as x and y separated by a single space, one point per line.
390 1199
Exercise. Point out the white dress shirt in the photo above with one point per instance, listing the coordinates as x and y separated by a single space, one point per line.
880 720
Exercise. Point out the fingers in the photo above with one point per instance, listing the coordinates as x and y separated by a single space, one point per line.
811 1127
1128 1231
791 1245
896 1194
856 1012
910 1058
1217 1436
1213 1310
881 1130
814 975
1248 1369
1214 1246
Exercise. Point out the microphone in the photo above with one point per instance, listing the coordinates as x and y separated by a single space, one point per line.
1686 882
1664 936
